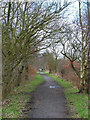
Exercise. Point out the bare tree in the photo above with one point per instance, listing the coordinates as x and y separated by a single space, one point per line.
24 33
75 47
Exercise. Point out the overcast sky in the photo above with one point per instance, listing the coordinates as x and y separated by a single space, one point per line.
72 9
70 14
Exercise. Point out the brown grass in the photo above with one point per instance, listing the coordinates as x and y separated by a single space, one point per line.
69 73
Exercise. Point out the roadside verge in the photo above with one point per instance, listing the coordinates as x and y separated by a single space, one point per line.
15 103
77 102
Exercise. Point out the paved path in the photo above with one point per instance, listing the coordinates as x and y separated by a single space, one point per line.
48 102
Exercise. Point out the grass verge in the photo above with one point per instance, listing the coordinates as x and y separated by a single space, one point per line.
0 101
77 102
15 102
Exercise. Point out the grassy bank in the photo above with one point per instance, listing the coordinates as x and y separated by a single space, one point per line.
16 101
0 101
77 102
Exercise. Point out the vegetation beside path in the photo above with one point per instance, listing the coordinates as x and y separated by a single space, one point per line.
16 101
77 102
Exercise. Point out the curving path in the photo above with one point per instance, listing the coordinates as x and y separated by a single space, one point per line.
48 101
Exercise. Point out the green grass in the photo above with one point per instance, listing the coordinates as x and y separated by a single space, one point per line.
0 112
0 102
20 96
77 102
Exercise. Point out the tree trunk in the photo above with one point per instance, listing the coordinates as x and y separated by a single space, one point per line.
88 65
19 76
82 72
85 68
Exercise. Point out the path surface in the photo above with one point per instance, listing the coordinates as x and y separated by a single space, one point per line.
48 102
